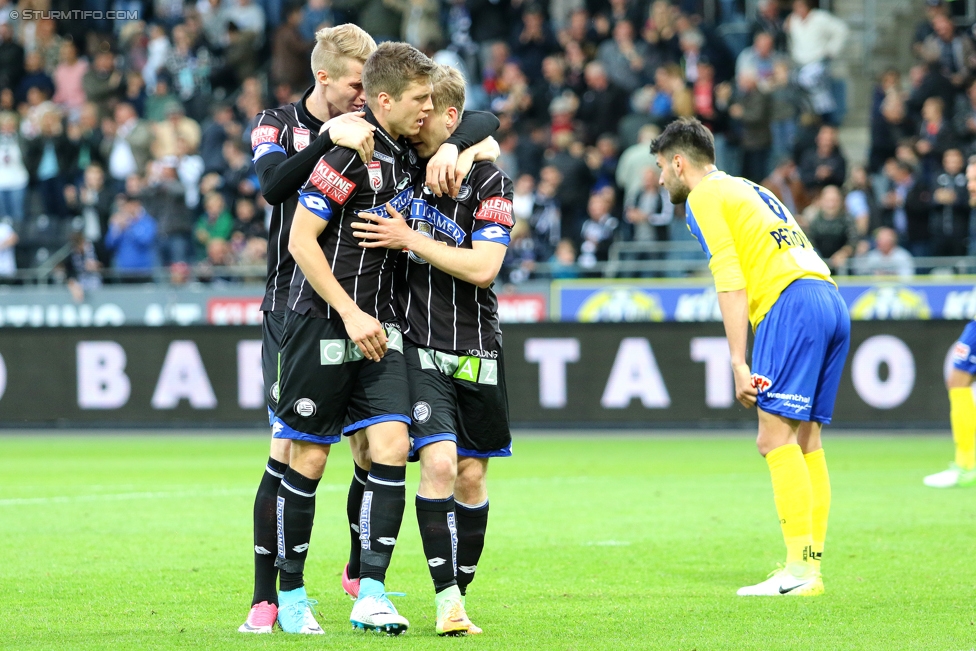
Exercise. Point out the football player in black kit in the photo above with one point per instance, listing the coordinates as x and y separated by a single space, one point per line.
287 143
453 350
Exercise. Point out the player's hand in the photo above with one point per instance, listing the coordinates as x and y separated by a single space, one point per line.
442 171
377 232
367 332
353 132
745 389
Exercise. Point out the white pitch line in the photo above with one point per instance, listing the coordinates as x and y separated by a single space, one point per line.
152 495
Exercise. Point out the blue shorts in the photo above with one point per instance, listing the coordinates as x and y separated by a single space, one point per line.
964 352
799 351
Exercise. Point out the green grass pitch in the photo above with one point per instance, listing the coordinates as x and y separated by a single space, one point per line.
599 542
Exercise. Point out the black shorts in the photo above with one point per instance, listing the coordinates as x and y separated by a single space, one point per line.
326 388
459 397
272 326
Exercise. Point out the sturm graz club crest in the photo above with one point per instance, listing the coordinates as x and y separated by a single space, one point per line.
421 412
304 407
274 392
427 229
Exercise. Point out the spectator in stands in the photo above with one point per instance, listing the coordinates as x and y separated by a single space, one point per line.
14 176
546 220
135 92
926 28
889 127
189 169
215 265
816 37
132 240
935 136
157 52
520 258
759 59
82 269
784 182
598 231
532 41
785 104
887 258
102 82
949 222
189 68
768 20
954 52
215 222
239 179
290 51
634 160
563 261
824 165
11 58
8 240
905 205
860 201
49 158
128 141
34 77
753 110
246 226
93 202
627 61
832 231
575 180
175 127
68 76
964 116
648 213
165 198
316 14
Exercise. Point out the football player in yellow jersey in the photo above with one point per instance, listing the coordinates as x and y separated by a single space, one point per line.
768 275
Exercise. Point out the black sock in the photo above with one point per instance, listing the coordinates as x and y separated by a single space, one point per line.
265 534
353 503
295 513
438 532
380 516
472 521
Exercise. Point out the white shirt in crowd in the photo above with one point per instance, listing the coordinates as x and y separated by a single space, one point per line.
8 265
820 36
13 174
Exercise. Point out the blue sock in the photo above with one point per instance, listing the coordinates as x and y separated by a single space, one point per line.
291 596
368 587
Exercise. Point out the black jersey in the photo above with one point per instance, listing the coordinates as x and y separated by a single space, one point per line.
341 186
287 133
437 309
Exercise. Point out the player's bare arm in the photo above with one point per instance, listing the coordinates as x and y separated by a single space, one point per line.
352 132
735 315
303 244
478 265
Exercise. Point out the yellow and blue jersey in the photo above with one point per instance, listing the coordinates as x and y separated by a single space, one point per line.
964 352
751 240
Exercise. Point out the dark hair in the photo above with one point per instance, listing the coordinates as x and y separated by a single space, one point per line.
393 67
689 137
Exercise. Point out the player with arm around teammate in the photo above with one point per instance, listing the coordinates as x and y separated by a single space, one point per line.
341 365
453 349
768 275
287 143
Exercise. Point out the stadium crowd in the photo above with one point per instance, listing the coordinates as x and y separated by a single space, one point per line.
127 138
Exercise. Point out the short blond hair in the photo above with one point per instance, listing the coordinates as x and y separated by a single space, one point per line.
449 88
334 46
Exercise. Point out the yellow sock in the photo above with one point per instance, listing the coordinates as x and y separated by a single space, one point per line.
794 500
962 415
820 483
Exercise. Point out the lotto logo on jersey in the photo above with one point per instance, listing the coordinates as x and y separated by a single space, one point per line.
761 382
960 352
263 133
331 183
495 209
375 175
